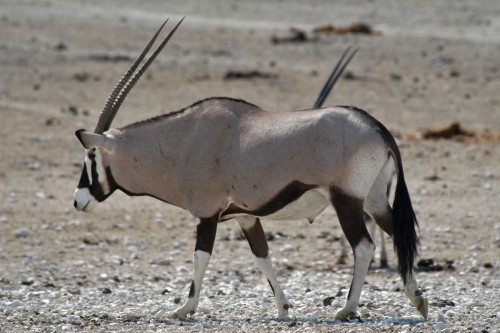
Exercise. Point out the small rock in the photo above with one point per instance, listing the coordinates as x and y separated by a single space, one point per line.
61 47
328 300
440 326
441 303
287 248
16 304
106 291
303 224
115 259
161 262
486 280
74 320
441 319
251 295
488 265
474 269
104 246
73 223
28 281
132 315
22 233
122 293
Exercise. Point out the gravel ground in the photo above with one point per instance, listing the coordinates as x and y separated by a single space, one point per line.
123 266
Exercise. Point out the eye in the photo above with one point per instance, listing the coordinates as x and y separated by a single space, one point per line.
91 154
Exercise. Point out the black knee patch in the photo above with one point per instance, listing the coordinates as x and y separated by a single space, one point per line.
271 287
191 290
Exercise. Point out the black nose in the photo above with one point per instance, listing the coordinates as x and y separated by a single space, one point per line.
74 203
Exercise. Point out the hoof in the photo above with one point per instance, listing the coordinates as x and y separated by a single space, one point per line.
344 314
423 307
283 312
342 260
384 264
178 314
174 315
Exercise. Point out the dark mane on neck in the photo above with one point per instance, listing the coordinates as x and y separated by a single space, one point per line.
194 105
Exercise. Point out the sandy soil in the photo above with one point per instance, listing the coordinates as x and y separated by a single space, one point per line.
430 65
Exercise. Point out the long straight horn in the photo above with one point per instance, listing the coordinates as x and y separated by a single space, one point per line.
124 85
337 71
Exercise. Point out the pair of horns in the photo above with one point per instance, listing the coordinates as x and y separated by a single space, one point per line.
128 80
337 71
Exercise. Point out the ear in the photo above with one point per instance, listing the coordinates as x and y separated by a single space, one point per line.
91 140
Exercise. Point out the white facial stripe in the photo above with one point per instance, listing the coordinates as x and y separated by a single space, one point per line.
88 165
101 172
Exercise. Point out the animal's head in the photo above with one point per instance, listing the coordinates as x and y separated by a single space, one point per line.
96 182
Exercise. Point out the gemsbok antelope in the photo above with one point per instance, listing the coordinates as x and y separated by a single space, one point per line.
224 158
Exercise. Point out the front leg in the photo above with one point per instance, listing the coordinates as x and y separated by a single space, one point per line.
205 238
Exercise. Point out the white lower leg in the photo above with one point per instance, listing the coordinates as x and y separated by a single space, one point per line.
200 263
282 302
363 254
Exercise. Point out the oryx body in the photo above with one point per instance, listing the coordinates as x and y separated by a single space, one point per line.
224 158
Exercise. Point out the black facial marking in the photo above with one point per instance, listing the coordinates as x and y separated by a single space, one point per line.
84 178
95 188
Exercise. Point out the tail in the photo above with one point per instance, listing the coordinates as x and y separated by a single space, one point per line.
404 223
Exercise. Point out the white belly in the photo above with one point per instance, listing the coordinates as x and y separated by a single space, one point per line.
308 206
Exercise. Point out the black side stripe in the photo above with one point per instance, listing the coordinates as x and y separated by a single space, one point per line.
288 194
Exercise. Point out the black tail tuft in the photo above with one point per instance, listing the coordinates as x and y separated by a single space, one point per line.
404 223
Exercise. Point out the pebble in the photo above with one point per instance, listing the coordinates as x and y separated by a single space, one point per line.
477 247
114 259
440 326
122 293
16 304
104 246
22 233
161 262
74 320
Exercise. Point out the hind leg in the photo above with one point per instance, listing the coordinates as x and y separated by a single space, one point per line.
254 233
383 252
350 213
373 231
377 206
